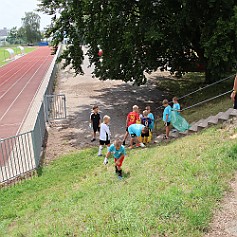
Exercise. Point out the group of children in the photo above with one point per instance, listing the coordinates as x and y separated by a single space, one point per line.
138 126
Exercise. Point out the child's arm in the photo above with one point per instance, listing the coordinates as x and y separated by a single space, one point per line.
108 154
127 121
234 89
91 121
107 130
166 119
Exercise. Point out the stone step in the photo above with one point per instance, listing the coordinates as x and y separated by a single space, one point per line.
223 116
194 127
213 120
174 134
203 124
233 112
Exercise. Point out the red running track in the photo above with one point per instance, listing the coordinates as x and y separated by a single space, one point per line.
19 82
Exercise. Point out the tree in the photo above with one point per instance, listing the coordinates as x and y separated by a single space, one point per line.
31 27
138 35
13 36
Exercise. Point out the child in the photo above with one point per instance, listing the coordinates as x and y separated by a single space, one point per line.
146 122
132 118
151 116
176 105
119 153
95 121
135 131
167 117
104 134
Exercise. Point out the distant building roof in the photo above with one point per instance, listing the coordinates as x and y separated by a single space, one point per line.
4 32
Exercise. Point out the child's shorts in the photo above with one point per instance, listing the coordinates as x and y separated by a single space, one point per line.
107 142
121 161
96 128
167 124
145 134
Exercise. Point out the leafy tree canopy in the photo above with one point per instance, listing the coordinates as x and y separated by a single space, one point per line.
31 27
138 35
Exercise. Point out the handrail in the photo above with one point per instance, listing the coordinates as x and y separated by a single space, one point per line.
207 100
202 88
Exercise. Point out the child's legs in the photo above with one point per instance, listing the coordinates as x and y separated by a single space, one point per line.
95 129
126 135
119 162
132 139
167 130
138 140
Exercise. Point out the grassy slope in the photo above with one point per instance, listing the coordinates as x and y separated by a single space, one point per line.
4 54
169 190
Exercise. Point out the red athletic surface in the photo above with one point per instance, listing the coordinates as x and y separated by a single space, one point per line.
19 82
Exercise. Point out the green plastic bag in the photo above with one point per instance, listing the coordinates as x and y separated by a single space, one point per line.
179 122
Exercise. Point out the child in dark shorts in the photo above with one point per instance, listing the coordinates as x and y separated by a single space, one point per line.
95 121
146 122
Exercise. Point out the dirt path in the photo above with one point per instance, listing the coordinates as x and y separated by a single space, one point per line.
116 99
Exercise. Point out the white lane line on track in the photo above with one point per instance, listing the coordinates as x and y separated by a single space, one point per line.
10 124
30 79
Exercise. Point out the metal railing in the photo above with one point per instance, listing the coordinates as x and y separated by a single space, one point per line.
16 156
201 89
22 153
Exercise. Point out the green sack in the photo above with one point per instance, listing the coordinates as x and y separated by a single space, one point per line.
179 122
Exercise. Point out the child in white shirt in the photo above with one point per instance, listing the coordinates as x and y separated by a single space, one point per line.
104 134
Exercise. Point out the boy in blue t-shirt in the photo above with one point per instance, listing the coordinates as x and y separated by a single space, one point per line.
151 117
176 105
119 153
146 122
167 117
135 131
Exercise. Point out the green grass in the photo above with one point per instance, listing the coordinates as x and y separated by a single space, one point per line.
5 55
169 190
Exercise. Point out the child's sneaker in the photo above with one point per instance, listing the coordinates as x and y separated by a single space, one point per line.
120 177
142 145
99 154
120 174
92 140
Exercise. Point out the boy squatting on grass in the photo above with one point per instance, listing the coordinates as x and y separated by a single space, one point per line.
135 131
104 134
95 121
119 153
167 117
